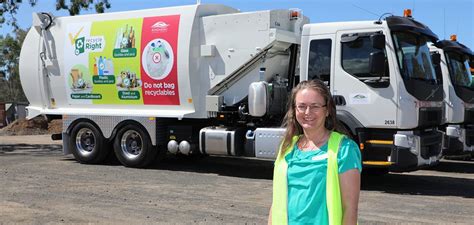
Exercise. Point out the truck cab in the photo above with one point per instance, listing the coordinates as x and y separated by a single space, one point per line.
452 64
384 83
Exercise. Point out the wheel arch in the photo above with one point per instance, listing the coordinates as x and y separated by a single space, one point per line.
349 121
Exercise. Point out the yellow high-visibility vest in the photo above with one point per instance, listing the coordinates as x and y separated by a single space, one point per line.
333 192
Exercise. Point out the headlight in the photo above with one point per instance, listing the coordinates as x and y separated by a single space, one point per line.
453 131
406 141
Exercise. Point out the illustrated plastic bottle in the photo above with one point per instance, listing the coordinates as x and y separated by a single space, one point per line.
106 70
110 66
95 71
101 66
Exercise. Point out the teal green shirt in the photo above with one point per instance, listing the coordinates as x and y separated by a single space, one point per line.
307 181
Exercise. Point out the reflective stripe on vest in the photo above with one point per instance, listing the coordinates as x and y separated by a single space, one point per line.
333 193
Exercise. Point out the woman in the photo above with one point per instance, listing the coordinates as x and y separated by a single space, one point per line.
317 172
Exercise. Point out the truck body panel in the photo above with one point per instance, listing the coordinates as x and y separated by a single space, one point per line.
93 73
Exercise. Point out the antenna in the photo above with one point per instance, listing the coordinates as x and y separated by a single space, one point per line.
444 22
365 10
457 24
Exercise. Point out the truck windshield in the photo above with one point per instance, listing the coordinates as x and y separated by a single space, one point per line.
459 70
414 57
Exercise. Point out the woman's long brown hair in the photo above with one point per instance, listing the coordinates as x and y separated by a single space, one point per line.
293 128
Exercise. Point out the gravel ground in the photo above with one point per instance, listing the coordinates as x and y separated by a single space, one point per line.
39 185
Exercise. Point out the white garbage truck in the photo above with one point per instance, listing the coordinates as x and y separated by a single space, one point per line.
452 61
383 81
211 80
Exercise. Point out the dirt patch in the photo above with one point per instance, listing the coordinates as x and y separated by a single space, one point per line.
55 126
36 126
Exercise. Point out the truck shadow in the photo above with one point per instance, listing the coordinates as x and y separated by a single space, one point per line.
415 184
29 149
454 166
225 166
395 183
404 183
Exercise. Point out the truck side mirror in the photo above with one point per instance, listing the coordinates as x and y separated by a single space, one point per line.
377 63
436 58
378 41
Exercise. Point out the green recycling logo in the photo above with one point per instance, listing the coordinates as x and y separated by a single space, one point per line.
79 45
89 44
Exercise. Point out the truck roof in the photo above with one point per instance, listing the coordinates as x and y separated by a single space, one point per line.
332 27
455 46
174 9
395 23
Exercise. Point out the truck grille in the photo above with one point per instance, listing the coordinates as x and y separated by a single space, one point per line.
469 116
430 144
429 117
469 137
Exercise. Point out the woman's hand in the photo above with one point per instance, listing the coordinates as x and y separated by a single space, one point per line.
270 216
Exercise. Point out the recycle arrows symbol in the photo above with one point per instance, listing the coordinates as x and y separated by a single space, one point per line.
79 44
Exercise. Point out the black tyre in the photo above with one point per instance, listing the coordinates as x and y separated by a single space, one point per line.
87 144
132 146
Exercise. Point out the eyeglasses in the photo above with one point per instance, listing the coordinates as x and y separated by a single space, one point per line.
312 108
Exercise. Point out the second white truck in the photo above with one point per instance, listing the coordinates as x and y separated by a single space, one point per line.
452 64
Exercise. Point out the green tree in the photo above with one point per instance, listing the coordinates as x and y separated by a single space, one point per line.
9 8
10 86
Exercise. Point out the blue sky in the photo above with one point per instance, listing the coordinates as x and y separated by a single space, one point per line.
444 17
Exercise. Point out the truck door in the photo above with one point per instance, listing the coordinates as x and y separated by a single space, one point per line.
369 98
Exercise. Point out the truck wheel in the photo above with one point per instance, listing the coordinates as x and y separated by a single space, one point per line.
133 147
87 143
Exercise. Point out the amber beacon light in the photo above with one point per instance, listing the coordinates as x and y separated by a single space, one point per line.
407 13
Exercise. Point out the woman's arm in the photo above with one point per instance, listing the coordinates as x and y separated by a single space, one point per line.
270 216
349 182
